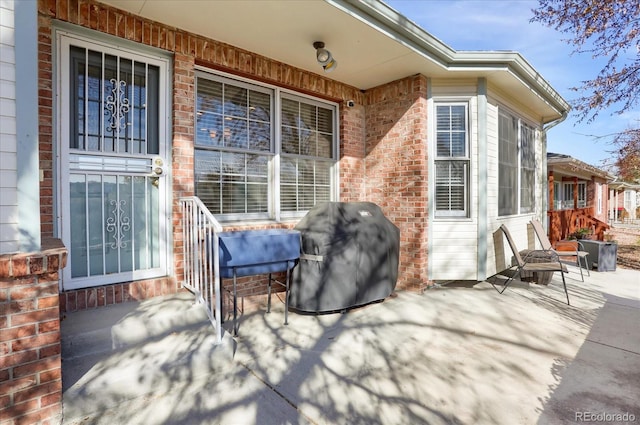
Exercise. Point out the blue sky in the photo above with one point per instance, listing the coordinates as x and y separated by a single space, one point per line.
504 25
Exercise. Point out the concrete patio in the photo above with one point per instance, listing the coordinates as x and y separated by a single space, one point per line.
457 354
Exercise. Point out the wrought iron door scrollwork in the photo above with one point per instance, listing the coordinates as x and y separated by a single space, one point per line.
117 105
117 224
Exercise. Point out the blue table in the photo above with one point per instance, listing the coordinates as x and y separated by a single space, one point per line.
254 252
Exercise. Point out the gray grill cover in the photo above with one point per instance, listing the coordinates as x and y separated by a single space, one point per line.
350 254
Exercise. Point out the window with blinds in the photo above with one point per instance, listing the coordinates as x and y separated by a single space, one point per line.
260 152
307 151
451 160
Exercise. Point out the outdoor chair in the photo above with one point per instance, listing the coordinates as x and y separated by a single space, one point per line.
525 264
565 249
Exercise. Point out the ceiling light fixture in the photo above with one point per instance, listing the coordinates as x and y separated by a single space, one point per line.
324 57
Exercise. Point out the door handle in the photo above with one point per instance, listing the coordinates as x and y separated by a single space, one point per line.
158 167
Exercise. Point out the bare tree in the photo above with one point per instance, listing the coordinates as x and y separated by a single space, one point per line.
628 155
605 29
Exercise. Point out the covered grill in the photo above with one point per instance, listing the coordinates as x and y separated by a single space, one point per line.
350 255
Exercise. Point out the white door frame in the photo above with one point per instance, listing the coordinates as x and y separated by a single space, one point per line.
64 39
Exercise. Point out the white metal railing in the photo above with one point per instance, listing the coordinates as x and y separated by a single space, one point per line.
568 205
200 243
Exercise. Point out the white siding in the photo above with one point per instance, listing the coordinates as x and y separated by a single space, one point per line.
492 185
454 251
8 142
498 251
453 245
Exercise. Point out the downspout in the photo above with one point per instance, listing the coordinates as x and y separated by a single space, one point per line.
545 181
554 123
483 173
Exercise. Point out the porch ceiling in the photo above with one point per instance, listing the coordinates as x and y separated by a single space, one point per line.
372 43
565 165
569 171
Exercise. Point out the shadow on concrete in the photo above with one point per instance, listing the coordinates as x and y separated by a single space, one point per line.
602 382
452 355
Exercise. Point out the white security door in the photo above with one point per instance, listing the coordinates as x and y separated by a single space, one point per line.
112 163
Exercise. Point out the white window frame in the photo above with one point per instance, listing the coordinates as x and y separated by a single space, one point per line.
315 159
275 154
465 160
563 194
520 126
582 194
567 195
557 196
627 200
527 168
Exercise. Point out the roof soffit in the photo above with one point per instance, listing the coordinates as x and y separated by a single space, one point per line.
575 168
372 43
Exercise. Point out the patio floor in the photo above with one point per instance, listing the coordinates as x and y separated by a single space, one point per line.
458 354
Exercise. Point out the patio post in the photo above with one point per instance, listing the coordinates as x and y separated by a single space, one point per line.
30 358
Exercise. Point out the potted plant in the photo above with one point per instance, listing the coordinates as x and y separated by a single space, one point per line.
581 233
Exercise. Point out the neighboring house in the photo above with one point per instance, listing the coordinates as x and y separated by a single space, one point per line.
578 197
624 201
112 111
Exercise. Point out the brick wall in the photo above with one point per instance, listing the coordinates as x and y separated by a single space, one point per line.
396 168
102 296
30 364
9 222
182 148
45 127
366 160
352 153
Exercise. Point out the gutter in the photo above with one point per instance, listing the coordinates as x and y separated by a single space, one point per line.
545 162
553 123
385 19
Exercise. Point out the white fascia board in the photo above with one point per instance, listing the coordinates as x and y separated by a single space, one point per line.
396 26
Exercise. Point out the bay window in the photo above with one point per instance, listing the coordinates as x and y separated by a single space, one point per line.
517 166
527 168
